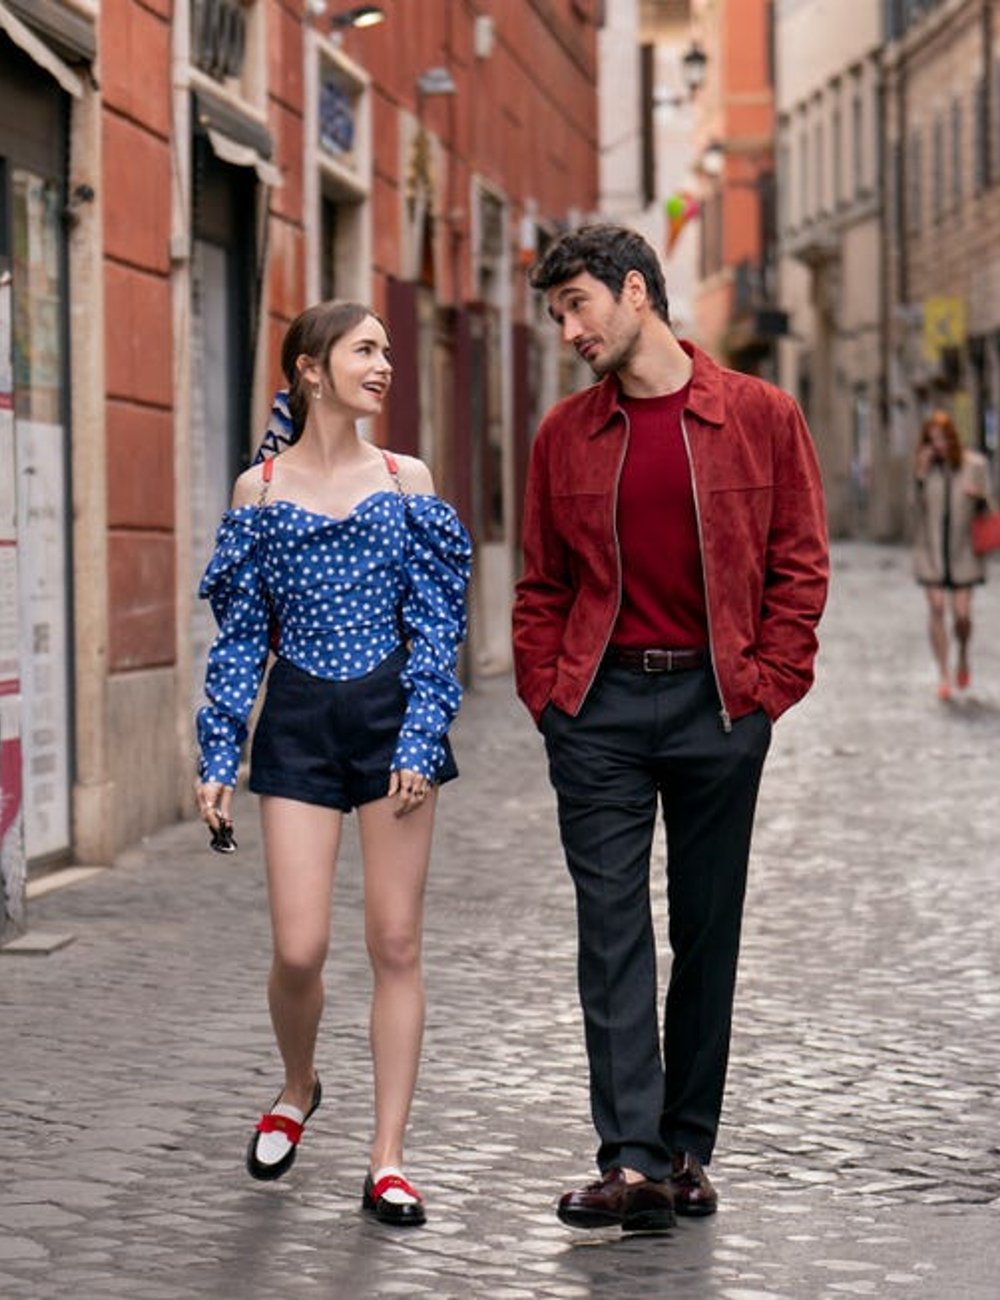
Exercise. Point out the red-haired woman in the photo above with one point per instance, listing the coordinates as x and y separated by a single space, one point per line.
952 485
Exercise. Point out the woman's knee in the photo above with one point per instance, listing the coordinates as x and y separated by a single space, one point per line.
393 951
299 964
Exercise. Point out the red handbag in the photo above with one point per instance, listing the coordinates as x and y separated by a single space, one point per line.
986 532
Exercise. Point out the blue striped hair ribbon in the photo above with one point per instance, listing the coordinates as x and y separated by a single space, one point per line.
278 435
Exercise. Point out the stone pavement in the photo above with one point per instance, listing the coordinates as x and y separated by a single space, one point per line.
860 1154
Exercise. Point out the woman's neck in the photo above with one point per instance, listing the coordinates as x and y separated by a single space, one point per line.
330 440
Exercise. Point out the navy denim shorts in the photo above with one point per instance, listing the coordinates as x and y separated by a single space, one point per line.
331 743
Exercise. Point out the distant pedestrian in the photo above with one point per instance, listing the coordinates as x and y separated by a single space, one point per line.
364 571
675 569
951 487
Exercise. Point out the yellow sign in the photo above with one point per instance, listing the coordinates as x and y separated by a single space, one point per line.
944 325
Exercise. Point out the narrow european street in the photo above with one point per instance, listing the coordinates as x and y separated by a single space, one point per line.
860 1152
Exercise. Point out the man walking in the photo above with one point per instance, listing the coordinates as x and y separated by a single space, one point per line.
675 569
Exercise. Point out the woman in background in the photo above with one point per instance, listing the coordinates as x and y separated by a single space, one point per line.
952 485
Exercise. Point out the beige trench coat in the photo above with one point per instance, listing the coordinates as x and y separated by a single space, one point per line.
945 503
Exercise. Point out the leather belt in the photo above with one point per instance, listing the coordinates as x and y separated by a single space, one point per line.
656 661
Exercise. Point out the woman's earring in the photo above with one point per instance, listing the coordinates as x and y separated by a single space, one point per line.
318 392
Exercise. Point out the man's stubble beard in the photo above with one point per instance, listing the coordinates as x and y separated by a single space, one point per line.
617 359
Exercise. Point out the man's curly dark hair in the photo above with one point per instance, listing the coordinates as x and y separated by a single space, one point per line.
608 253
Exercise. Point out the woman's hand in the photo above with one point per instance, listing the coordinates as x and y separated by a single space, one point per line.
410 788
215 803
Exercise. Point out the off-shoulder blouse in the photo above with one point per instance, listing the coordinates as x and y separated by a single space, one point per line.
344 594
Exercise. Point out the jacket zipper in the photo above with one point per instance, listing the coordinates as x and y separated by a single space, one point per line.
727 724
618 555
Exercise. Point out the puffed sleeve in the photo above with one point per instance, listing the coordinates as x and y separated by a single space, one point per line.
232 585
439 561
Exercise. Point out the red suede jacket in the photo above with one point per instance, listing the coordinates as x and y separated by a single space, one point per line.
762 529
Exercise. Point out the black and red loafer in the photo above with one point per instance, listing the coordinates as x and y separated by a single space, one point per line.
282 1130
393 1200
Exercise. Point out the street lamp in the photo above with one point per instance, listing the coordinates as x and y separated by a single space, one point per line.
435 81
359 16
693 61
713 159
693 65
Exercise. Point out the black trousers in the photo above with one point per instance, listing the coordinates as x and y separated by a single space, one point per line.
640 738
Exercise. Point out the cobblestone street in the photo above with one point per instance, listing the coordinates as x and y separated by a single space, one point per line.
860 1150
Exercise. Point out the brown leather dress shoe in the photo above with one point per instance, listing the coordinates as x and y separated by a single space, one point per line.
693 1192
646 1206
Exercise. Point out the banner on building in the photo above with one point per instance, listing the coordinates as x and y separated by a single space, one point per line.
944 325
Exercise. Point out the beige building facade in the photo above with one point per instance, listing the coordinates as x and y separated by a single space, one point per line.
828 56
647 118
942 128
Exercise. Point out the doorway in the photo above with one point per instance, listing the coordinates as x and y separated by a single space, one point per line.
35 537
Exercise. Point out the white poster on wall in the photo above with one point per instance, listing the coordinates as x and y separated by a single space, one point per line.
41 551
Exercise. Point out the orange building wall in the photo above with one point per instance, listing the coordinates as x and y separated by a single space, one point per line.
737 110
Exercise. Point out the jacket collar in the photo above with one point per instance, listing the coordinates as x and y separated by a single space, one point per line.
705 398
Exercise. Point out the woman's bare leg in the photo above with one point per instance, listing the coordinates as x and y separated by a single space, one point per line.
301 842
961 612
938 632
396 853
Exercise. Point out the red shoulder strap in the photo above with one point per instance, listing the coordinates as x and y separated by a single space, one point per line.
267 469
393 468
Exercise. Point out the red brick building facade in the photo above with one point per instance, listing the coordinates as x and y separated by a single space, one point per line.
228 162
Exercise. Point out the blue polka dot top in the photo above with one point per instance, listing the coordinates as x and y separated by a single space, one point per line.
341 591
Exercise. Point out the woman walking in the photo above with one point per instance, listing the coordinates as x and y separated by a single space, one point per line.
952 485
362 570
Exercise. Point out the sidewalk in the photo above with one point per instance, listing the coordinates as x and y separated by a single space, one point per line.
860 1153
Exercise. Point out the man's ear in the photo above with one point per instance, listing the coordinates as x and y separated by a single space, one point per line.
634 288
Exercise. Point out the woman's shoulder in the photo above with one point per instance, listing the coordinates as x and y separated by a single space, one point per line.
247 487
414 475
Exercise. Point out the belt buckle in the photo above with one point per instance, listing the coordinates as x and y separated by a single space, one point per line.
649 667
